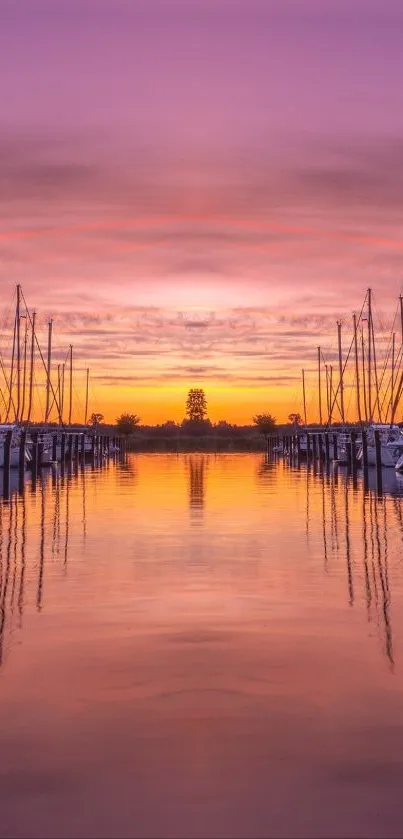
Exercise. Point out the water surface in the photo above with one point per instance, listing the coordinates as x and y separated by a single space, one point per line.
199 645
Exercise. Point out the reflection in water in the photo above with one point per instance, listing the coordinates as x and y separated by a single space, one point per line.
174 664
197 465
324 523
348 547
353 522
84 503
41 548
23 557
13 544
372 545
368 590
67 519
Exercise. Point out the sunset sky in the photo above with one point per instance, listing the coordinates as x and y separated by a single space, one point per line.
196 190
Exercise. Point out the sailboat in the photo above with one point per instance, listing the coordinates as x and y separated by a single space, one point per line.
391 444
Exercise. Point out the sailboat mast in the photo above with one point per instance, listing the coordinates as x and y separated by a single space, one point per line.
369 355
24 369
357 369
31 368
392 380
327 392
364 387
18 342
401 315
59 403
62 392
320 387
340 371
71 384
375 370
11 382
86 396
49 361
331 393
304 395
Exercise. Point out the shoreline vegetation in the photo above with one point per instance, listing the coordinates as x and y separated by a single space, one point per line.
215 438
196 432
202 436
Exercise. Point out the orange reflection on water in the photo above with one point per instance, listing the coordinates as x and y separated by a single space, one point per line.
200 645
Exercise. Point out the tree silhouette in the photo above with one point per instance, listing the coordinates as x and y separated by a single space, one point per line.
95 419
295 419
196 404
127 423
265 423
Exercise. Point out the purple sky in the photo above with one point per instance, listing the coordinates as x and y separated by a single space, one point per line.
239 159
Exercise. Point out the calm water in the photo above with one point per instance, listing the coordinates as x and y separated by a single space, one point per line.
201 645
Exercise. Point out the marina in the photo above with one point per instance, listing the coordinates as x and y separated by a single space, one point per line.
201 419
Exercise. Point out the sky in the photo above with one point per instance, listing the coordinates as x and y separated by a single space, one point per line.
196 190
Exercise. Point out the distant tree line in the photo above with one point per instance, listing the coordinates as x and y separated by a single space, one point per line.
196 423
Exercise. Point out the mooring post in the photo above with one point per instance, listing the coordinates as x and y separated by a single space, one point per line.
335 446
54 448
7 463
70 443
308 447
314 446
378 462
35 454
21 460
353 441
298 443
83 447
348 452
327 447
364 446
40 452
320 444
77 447
63 448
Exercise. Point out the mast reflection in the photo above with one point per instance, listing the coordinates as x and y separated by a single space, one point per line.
370 540
23 507
39 593
5 577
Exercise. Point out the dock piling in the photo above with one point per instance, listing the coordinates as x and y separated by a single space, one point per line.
364 444
327 447
378 462
35 455
7 464
21 461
